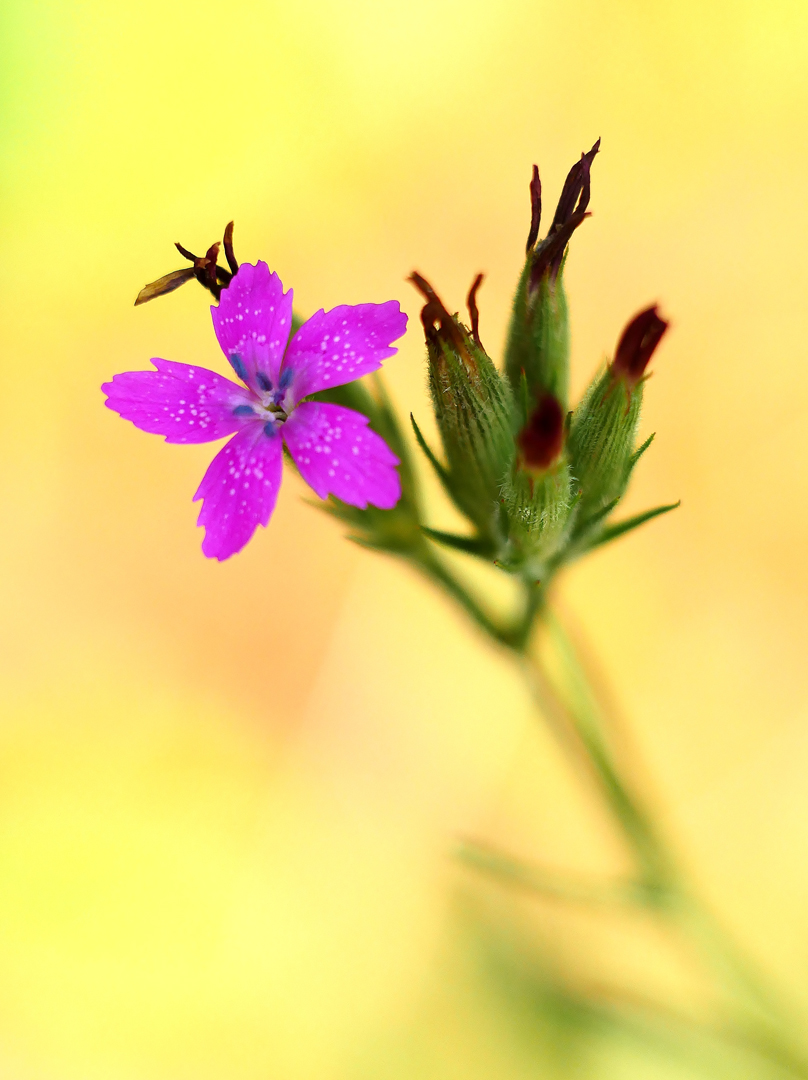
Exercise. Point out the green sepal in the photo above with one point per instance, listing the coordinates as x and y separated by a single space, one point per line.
475 415
538 342
638 453
611 532
538 512
601 440
397 530
585 526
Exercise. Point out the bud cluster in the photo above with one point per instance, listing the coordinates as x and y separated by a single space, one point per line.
536 482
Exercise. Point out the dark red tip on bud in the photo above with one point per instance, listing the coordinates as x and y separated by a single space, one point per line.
637 345
535 209
542 439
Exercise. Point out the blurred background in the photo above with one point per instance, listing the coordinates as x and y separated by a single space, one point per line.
229 794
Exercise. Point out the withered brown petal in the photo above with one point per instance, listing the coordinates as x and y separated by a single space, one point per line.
186 253
228 248
209 264
575 193
165 284
542 439
550 252
535 209
471 304
434 312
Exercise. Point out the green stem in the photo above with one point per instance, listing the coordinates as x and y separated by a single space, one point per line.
514 635
548 883
579 726
680 902
438 572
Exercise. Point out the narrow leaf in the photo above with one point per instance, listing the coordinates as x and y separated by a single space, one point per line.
593 519
621 527
442 474
471 545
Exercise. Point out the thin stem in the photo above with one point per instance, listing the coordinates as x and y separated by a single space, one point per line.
437 571
578 725
514 635
634 822
548 883
682 906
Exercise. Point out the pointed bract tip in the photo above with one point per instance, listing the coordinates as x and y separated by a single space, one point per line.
638 343
542 439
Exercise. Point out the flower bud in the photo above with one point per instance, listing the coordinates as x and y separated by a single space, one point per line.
604 425
537 495
538 348
474 410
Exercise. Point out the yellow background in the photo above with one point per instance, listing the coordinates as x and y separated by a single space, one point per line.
229 793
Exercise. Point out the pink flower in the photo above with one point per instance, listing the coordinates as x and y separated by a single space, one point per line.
333 447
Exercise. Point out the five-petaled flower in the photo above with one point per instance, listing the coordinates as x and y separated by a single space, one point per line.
333 447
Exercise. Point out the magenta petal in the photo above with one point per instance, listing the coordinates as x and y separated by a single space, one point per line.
337 346
338 454
252 323
186 404
240 489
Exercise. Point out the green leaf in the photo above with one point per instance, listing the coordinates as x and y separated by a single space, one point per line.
441 472
471 545
594 519
620 527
